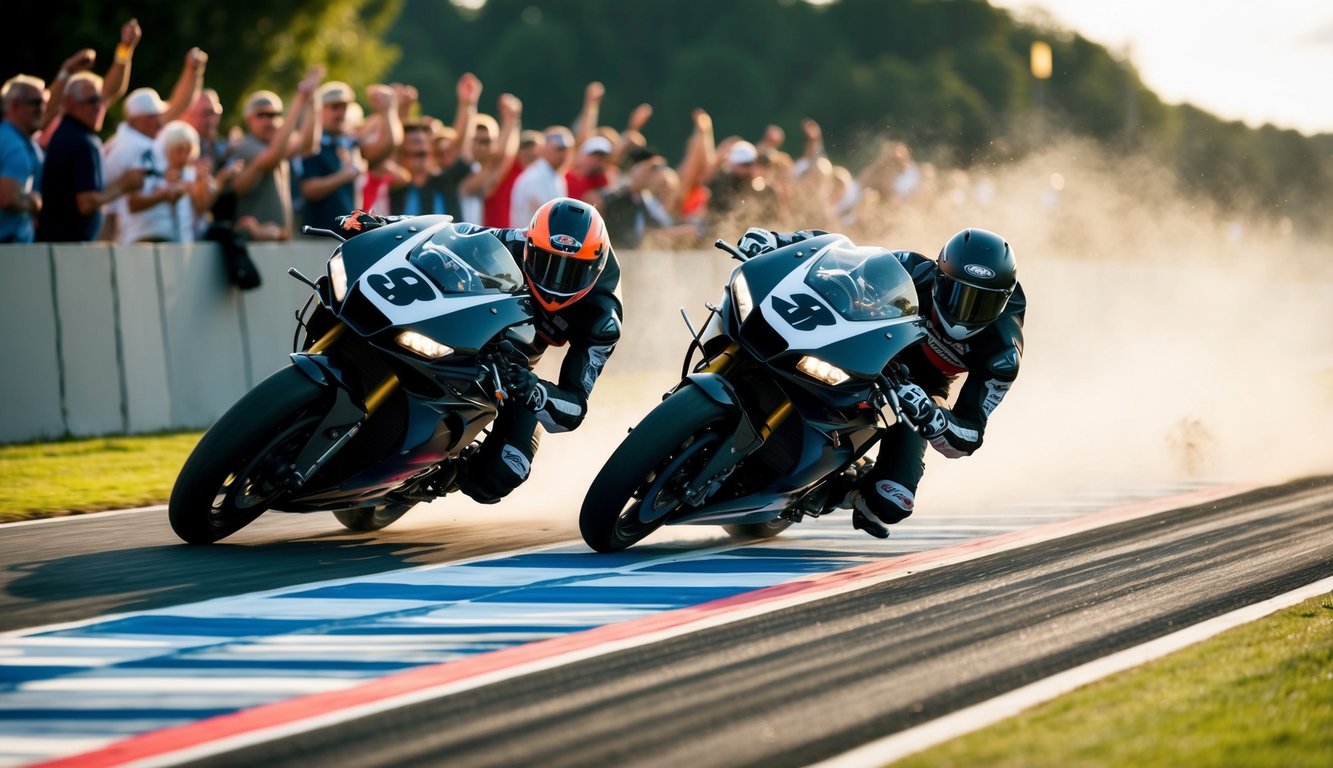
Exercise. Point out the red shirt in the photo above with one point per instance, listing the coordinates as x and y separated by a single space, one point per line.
496 211
581 185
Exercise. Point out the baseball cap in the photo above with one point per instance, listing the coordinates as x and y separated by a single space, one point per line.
596 144
558 138
530 137
742 152
143 102
336 92
263 101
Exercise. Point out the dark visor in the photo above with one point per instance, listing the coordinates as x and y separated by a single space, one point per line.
968 304
561 274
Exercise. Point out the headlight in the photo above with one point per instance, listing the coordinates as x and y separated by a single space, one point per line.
740 293
818 369
424 345
338 276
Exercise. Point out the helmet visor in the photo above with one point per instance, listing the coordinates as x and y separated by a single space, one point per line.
560 274
967 304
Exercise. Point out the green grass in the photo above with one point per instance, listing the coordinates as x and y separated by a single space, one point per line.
73 476
1256 696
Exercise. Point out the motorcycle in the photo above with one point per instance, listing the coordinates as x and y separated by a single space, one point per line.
791 390
391 388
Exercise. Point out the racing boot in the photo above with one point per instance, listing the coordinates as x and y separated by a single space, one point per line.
886 503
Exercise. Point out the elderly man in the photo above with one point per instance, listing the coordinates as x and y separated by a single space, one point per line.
23 98
263 185
74 190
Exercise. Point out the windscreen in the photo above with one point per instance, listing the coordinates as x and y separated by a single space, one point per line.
467 263
863 283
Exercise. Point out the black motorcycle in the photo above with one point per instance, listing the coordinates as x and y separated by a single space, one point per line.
395 377
773 423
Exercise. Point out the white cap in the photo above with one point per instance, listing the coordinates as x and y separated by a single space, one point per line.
742 152
596 144
143 102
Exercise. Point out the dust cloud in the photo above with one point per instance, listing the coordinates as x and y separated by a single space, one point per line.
1165 343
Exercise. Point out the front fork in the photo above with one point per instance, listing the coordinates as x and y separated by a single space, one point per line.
744 440
344 418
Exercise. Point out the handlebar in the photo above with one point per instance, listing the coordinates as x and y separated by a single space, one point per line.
723 245
309 230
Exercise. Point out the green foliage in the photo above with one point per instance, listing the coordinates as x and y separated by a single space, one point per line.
258 44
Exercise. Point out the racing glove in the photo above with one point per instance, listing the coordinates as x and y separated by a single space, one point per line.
920 410
524 386
756 241
359 221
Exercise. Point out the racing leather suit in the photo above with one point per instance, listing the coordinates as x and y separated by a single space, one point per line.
990 360
590 327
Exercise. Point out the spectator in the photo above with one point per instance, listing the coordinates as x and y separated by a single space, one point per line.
497 159
172 199
633 211
132 144
215 165
24 100
329 176
544 179
700 156
587 179
738 188
427 190
73 187
114 84
205 115
263 185
530 144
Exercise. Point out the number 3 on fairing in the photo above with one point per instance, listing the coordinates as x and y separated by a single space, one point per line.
401 287
804 312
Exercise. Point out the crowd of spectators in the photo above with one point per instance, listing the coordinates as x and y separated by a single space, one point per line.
168 174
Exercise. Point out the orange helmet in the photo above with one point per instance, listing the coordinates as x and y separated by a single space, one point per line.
566 252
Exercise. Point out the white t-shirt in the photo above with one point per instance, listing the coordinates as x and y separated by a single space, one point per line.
174 222
538 183
128 149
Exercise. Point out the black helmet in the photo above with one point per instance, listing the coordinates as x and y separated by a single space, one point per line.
976 277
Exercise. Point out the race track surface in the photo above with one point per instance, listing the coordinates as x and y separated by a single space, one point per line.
788 686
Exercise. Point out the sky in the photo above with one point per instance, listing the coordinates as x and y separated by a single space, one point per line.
1259 61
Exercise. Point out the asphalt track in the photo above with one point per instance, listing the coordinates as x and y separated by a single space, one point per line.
790 687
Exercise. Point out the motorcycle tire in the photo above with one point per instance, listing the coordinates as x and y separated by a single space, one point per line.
659 456
757 531
231 477
368 519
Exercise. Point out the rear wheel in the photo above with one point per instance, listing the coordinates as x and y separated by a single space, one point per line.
371 518
641 484
235 473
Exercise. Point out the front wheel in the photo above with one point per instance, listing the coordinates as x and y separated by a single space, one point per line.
235 473
640 485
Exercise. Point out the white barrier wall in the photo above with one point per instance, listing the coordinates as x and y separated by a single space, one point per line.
108 339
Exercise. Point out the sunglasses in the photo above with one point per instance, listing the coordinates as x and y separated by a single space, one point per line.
417 154
268 115
96 98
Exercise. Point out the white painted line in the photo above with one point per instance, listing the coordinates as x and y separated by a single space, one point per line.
978 716
193 683
85 516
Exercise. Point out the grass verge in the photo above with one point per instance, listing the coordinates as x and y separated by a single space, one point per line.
74 476
1258 695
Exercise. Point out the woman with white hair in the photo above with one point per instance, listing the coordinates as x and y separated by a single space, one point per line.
175 195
